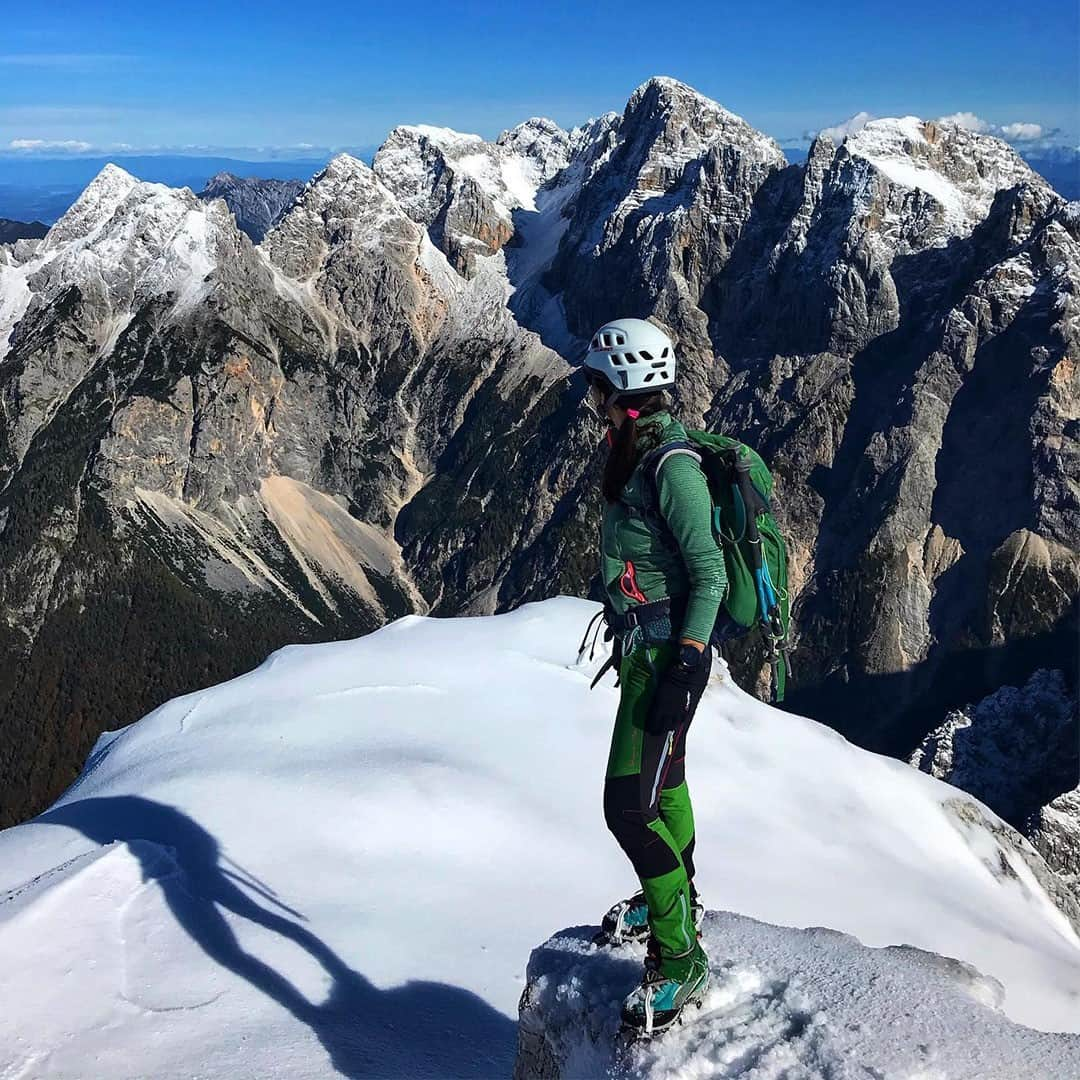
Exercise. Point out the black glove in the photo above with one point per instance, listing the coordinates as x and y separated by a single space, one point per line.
678 694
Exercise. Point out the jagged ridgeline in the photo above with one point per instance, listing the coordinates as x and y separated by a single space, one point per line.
209 447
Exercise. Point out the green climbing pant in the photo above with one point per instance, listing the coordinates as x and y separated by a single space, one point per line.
647 806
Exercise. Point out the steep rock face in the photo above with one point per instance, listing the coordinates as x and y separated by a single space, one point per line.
1055 833
256 203
943 385
1018 751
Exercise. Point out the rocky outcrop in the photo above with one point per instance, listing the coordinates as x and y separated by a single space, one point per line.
255 202
1027 867
384 383
1055 833
782 1002
1018 751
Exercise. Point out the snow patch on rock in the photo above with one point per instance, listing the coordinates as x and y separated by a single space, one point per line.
782 1003
960 170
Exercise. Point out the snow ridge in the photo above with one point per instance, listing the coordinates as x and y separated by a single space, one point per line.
213 867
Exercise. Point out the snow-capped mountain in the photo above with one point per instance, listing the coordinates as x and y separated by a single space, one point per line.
341 861
256 203
465 189
210 447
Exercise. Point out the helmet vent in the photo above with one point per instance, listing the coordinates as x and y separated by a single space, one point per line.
616 359
630 358
649 377
666 351
659 363
620 339
645 355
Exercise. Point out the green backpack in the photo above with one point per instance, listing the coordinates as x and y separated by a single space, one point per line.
744 527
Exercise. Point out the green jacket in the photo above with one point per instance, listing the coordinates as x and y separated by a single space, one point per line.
696 569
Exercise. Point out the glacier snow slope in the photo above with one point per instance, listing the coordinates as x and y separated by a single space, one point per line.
342 860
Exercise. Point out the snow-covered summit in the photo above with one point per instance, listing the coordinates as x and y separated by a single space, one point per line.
540 142
122 243
345 854
99 200
128 240
960 170
414 162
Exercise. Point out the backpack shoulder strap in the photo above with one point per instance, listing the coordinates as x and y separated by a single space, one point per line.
651 464
655 458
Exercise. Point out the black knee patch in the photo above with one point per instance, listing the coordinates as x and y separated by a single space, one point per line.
629 821
688 858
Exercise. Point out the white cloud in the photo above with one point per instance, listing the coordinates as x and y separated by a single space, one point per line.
1018 132
1022 132
968 121
841 131
67 146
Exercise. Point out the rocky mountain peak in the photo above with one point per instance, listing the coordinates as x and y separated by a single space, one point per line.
465 189
346 198
255 202
542 143
676 163
134 239
222 181
342 168
960 171
684 123
94 206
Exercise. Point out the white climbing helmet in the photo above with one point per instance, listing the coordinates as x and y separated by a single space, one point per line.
633 357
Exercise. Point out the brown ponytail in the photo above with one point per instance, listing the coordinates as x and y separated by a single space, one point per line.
623 455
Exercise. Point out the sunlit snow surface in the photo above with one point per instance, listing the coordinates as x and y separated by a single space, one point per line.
343 860
784 1004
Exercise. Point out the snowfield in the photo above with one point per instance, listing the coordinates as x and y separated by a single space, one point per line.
340 863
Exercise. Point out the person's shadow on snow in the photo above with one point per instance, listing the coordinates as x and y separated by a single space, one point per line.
418 1029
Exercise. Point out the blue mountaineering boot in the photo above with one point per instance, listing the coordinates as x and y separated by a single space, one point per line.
628 920
669 985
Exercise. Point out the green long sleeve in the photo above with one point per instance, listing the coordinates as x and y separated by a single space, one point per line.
686 505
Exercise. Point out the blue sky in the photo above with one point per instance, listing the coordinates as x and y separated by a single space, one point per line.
295 76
